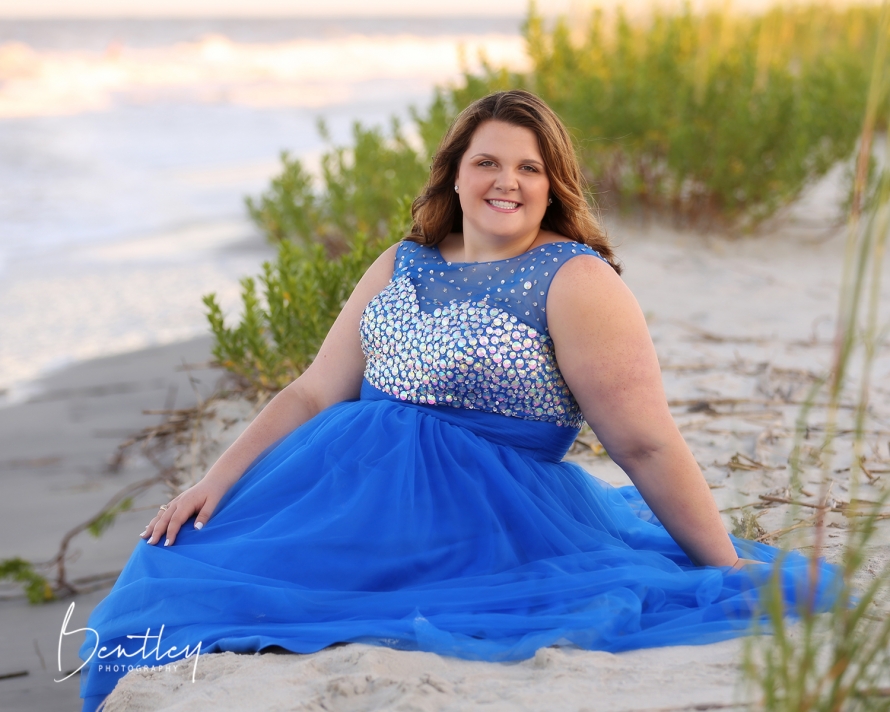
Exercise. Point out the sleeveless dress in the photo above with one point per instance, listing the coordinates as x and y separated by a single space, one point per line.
434 513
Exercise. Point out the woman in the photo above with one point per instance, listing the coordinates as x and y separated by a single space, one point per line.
408 489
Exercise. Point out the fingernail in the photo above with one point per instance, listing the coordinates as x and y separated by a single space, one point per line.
198 525
143 531
167 542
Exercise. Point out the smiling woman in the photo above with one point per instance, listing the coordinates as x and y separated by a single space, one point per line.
502 174
409 488
513 156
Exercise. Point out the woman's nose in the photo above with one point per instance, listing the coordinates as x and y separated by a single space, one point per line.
506 181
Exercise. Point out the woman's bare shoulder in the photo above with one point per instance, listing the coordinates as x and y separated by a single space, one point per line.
588 271
587 287
378 275
387 258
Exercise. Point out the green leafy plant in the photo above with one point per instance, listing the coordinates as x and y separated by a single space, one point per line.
107 517
37 588
303 291
361 187
708 115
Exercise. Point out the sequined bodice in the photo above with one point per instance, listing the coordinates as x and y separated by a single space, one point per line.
470 335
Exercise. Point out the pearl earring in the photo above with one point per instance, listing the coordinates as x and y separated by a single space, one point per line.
549 201
455 187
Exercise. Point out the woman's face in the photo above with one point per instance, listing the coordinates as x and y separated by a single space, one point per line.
503 183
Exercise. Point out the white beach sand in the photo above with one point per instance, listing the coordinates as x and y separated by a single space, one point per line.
741 327
361 677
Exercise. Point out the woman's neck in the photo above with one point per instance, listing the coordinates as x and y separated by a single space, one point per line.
461 247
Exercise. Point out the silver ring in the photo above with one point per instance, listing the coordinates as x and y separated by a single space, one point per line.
164 507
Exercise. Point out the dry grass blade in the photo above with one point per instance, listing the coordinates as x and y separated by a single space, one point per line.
840 660
743 462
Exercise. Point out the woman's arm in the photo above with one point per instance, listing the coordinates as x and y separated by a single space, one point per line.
608 360
335 375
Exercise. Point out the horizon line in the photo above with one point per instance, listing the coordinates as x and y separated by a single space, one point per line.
271 16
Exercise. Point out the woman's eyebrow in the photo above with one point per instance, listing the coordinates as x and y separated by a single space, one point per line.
494 158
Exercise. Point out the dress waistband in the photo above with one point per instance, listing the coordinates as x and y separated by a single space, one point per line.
538 439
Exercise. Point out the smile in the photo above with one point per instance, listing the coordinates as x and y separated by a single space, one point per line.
503 204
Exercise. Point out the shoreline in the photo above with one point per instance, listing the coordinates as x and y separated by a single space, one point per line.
54 454
97 300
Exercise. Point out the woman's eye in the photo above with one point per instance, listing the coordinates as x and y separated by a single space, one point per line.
532 169
486 163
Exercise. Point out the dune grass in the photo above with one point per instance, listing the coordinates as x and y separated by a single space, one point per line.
841 660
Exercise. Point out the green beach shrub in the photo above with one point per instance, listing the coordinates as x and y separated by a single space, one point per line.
303 291
37 588
361 187
712 115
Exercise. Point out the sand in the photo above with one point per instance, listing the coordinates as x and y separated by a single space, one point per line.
361 677
741 327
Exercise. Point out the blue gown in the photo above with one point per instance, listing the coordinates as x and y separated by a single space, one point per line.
433 513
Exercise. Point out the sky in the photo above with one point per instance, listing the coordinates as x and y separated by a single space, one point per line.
316 8
259 8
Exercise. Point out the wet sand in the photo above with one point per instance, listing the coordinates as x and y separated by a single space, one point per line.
54 455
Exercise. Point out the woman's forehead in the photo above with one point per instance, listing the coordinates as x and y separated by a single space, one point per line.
500 137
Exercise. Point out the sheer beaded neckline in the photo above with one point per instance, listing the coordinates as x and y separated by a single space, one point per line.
471 335
518 284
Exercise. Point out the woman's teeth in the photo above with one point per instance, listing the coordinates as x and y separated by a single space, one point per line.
504 204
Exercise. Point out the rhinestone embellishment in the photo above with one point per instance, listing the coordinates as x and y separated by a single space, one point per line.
466 354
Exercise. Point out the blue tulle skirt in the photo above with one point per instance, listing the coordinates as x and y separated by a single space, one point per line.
422 528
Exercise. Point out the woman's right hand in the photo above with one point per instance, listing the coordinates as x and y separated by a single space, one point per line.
201 498
335 375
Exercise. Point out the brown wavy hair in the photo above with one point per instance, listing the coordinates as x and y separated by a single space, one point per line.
437 212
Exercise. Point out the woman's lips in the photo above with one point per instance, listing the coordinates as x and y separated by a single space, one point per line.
504 206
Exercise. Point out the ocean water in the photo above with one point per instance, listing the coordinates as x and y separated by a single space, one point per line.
127 147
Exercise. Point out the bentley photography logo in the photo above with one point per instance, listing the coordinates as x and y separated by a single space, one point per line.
110 660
